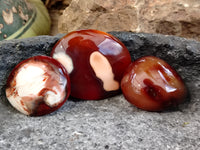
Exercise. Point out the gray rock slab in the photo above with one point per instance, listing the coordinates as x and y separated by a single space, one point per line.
112 123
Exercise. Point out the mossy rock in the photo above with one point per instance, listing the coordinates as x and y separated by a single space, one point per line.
23 18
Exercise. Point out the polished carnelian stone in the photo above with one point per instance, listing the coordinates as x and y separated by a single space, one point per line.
95 61
151 84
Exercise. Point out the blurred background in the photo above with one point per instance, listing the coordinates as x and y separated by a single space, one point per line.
25 18
170 17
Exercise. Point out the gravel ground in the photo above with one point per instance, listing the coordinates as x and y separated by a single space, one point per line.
112 123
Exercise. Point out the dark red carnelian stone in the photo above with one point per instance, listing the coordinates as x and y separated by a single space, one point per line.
151 84
79 45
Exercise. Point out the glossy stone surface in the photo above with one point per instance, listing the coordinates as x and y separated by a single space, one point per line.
38 86
95 62
151 84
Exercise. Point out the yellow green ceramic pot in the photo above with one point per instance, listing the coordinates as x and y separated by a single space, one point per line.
23 18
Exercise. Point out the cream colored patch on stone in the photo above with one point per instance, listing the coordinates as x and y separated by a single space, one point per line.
65 60
52 99
56 96
103 71
7 17
15 101
29 81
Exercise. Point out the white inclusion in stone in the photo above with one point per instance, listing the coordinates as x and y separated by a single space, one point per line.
29 81
65 60
16 102
103 71
53 99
